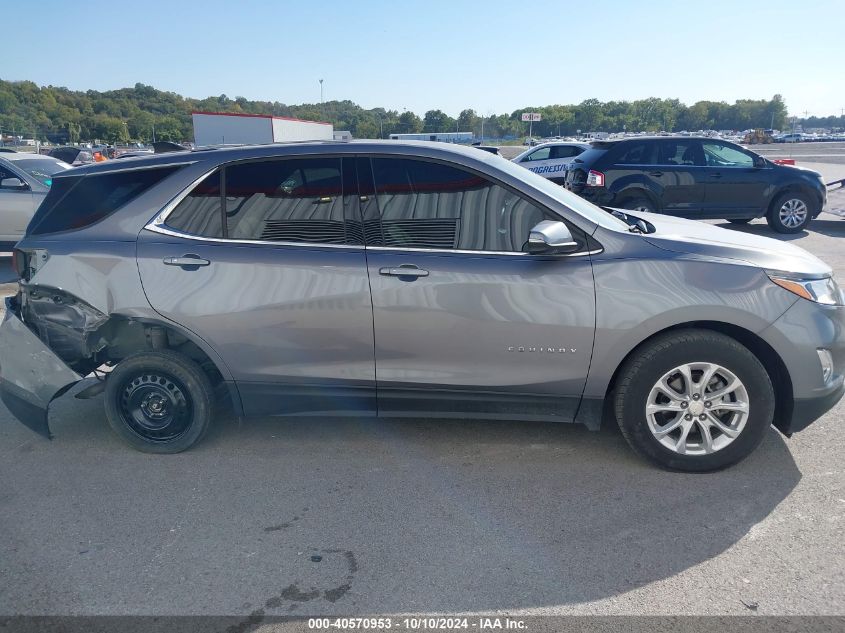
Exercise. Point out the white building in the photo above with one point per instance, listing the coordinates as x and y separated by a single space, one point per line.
229 128
444 137
342 135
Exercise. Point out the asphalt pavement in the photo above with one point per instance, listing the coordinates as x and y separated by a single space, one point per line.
345 516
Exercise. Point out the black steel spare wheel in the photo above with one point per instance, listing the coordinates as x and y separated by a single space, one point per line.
159 402
156 406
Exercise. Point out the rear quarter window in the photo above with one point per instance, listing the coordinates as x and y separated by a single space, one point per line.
79 201
590 157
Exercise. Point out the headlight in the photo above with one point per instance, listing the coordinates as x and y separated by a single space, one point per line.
825 291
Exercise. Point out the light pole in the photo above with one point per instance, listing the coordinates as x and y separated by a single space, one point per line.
321 95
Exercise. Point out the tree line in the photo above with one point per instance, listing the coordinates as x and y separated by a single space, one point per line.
142 112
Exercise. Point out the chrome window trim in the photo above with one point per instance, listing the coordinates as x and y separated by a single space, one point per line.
164 230
449 251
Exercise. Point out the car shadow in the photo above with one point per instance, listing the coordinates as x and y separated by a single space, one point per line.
832 228
425 515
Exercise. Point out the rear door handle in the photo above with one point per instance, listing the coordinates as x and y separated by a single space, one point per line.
405 270
716 175
655 173
186 260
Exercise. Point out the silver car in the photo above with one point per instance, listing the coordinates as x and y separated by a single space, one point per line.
24 182
401 279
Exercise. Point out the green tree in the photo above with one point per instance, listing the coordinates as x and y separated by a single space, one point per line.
409 123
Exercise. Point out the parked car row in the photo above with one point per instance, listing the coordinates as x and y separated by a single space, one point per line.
399 278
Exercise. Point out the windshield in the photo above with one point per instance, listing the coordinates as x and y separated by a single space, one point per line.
590 211
42 169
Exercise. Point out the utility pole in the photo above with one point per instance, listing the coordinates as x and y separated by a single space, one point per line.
321 95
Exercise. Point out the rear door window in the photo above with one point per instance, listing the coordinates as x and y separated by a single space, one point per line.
201 211
295 200
277 200
565 151
76 202
641 153
680 152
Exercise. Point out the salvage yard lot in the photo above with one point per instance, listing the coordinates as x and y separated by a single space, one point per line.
418 516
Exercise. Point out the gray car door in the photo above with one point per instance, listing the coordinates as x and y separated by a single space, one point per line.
17 205
279 289
466 324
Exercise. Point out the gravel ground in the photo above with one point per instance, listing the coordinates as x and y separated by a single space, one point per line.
417 516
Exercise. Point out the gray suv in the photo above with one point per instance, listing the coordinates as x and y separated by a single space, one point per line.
401 279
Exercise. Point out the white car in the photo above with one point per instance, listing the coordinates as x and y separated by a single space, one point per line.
551 160
25 180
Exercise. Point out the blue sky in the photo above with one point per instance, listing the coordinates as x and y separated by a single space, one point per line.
490 55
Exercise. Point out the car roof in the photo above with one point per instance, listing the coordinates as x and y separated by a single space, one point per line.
578 143
222 154
25 156
604 143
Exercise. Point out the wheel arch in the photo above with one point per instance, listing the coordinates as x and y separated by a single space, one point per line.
128 335
796 187
768 357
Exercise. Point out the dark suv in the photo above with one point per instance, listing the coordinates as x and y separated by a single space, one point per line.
697 178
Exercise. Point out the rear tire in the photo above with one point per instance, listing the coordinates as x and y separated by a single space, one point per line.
159 402
639 203
673 420
790 213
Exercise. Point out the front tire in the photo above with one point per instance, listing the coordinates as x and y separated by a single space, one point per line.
790 213
159 402
694 400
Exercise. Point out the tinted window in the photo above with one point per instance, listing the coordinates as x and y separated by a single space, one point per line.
77 202
565 151
540 154
430 205
201 211
641 153
680 152
298 200
720 155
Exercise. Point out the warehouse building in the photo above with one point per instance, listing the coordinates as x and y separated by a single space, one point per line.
229 128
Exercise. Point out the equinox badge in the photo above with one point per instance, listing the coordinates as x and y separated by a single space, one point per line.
547 350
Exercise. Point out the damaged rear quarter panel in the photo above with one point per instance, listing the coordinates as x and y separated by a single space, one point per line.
102 274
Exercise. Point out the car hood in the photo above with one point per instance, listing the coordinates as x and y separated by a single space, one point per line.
700 238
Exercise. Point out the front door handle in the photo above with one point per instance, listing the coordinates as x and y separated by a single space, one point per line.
716 175
186 260
405 270
655 173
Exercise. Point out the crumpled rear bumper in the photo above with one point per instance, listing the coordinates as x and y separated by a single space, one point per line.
31 374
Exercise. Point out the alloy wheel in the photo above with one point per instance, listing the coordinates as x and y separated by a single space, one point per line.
793 213
697 408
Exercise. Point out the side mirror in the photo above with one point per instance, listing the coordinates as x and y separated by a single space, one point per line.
12 183
550 238
760 162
